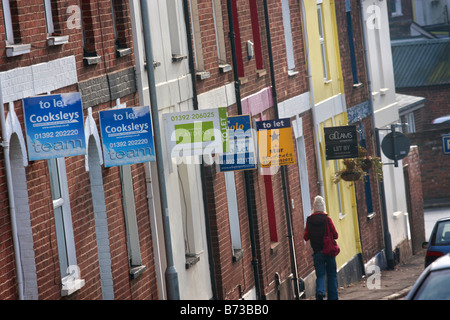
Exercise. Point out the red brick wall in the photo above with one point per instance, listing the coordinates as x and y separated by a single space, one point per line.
413 179
434 163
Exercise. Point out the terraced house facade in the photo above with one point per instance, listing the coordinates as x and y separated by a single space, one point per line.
180 227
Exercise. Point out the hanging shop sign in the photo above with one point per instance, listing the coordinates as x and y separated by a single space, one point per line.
341 142
197 132
242 148
275 144
54 126
127 136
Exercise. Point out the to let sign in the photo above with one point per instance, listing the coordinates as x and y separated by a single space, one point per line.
341 142
275 144
127 136
54 126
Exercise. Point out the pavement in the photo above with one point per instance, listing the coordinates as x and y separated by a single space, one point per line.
387 284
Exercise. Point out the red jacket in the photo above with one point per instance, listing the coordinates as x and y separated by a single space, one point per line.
315 229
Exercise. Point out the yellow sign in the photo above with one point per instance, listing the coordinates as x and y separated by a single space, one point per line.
275 144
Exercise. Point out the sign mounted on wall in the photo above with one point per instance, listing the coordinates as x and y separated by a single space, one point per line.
54 126
446 143
275 144
242 148
341 142
197 132
127 136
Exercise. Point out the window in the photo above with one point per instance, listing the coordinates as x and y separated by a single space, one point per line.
192 208
70 274
12 30
396 8
322 42
8 22
54 36
119 19
220 36
256 34
288 37
271 208
302 166
351 44
367 188
233 214
197 42
410 122
134 249
240 62
175 30
88 35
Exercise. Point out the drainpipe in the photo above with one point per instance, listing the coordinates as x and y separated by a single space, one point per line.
173 291
12 205
287 208
312 102
246 172
386 233
202 166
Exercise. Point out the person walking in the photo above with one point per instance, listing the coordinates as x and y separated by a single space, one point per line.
323 264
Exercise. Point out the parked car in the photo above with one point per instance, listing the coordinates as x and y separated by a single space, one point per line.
444 119
439 243
434 282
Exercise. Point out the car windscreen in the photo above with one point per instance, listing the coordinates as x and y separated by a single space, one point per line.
435 287
442 235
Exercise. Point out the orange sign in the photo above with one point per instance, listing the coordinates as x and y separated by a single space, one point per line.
275 144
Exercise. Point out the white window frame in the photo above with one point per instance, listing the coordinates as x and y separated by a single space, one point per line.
286 12
134 249
9 31
70 278
192 208
323 46
219 30
233 213
49 17
398 9
175 32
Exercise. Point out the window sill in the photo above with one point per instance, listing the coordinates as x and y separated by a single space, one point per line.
178 57
397 214
92 60
13 50
292 73
327 81
243 80
70 286
136 271
357 85
57 40
383 91
261 72
274 247
370 216
225 68
202 75
123 52
237 254
191 260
